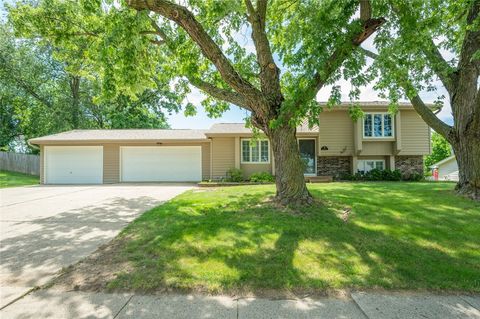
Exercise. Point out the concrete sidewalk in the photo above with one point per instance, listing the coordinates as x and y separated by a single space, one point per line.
57 304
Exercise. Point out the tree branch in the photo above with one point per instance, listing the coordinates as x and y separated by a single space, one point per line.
157 42
471 45
422 109
444 71
212 90
218 93
186 20
365 10
269 72
27 88
369 26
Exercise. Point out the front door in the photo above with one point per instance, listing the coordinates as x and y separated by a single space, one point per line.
308 155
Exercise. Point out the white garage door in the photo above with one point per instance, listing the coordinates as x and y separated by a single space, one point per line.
161 164
73 164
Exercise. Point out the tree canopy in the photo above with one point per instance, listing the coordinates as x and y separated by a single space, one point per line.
37 94
441 149
129 50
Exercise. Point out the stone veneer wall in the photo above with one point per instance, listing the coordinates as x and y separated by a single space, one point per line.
409 164
335 166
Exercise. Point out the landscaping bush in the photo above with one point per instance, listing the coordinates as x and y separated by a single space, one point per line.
413 177
262 177
377 175
234 175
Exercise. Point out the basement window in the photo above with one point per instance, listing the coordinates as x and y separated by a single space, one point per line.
364 166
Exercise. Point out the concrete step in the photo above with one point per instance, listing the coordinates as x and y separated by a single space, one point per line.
319 179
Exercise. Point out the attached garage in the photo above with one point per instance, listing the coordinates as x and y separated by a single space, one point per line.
73 164
160 163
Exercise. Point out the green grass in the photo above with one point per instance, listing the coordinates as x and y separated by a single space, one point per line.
13 179
399 236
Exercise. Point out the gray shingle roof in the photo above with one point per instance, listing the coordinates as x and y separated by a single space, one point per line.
239 128
222 128
123 135
380 104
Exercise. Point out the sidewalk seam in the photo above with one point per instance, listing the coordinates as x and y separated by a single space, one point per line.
20 297
116 315
360 308
465 300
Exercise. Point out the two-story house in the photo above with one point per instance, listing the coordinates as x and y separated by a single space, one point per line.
337 146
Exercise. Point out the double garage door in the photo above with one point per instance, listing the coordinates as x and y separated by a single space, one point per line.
84 164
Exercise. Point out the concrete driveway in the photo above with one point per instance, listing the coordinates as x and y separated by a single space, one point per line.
45 228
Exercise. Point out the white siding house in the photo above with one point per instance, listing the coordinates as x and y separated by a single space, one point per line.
447 169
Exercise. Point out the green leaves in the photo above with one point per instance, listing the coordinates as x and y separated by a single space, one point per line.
408 44
441 149
37 95
119 47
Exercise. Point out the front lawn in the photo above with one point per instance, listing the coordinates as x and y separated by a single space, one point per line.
398 236
12 179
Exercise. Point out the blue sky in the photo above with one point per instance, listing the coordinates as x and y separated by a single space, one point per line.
235 114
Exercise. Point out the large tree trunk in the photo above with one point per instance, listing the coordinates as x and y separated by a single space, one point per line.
465 141
289 168
467 152
465 98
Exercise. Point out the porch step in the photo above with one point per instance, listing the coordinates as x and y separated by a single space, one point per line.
319 179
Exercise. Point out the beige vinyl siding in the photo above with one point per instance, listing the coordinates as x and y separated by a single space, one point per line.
415 134
111 163
377 148
336 133
448 170
223 156
249 169
206 161
42 164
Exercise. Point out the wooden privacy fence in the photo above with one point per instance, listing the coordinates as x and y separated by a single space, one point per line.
23 163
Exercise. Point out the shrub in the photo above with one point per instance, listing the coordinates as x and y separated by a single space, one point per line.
234 175
375 175
413 177
262 177
395 175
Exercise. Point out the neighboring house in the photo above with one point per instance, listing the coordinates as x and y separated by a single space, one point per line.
338 146
447 169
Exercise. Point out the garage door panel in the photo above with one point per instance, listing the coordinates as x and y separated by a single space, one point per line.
162 164
73 164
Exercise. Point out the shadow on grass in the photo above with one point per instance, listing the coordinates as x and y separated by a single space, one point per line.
230 241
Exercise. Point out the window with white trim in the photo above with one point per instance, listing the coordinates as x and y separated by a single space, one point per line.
364 166
377 125
255 151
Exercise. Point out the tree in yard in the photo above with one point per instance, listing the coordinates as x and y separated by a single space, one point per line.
298 48
39 96
429 40
441 149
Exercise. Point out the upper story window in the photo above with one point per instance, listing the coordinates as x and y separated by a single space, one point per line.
377 125
257 151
